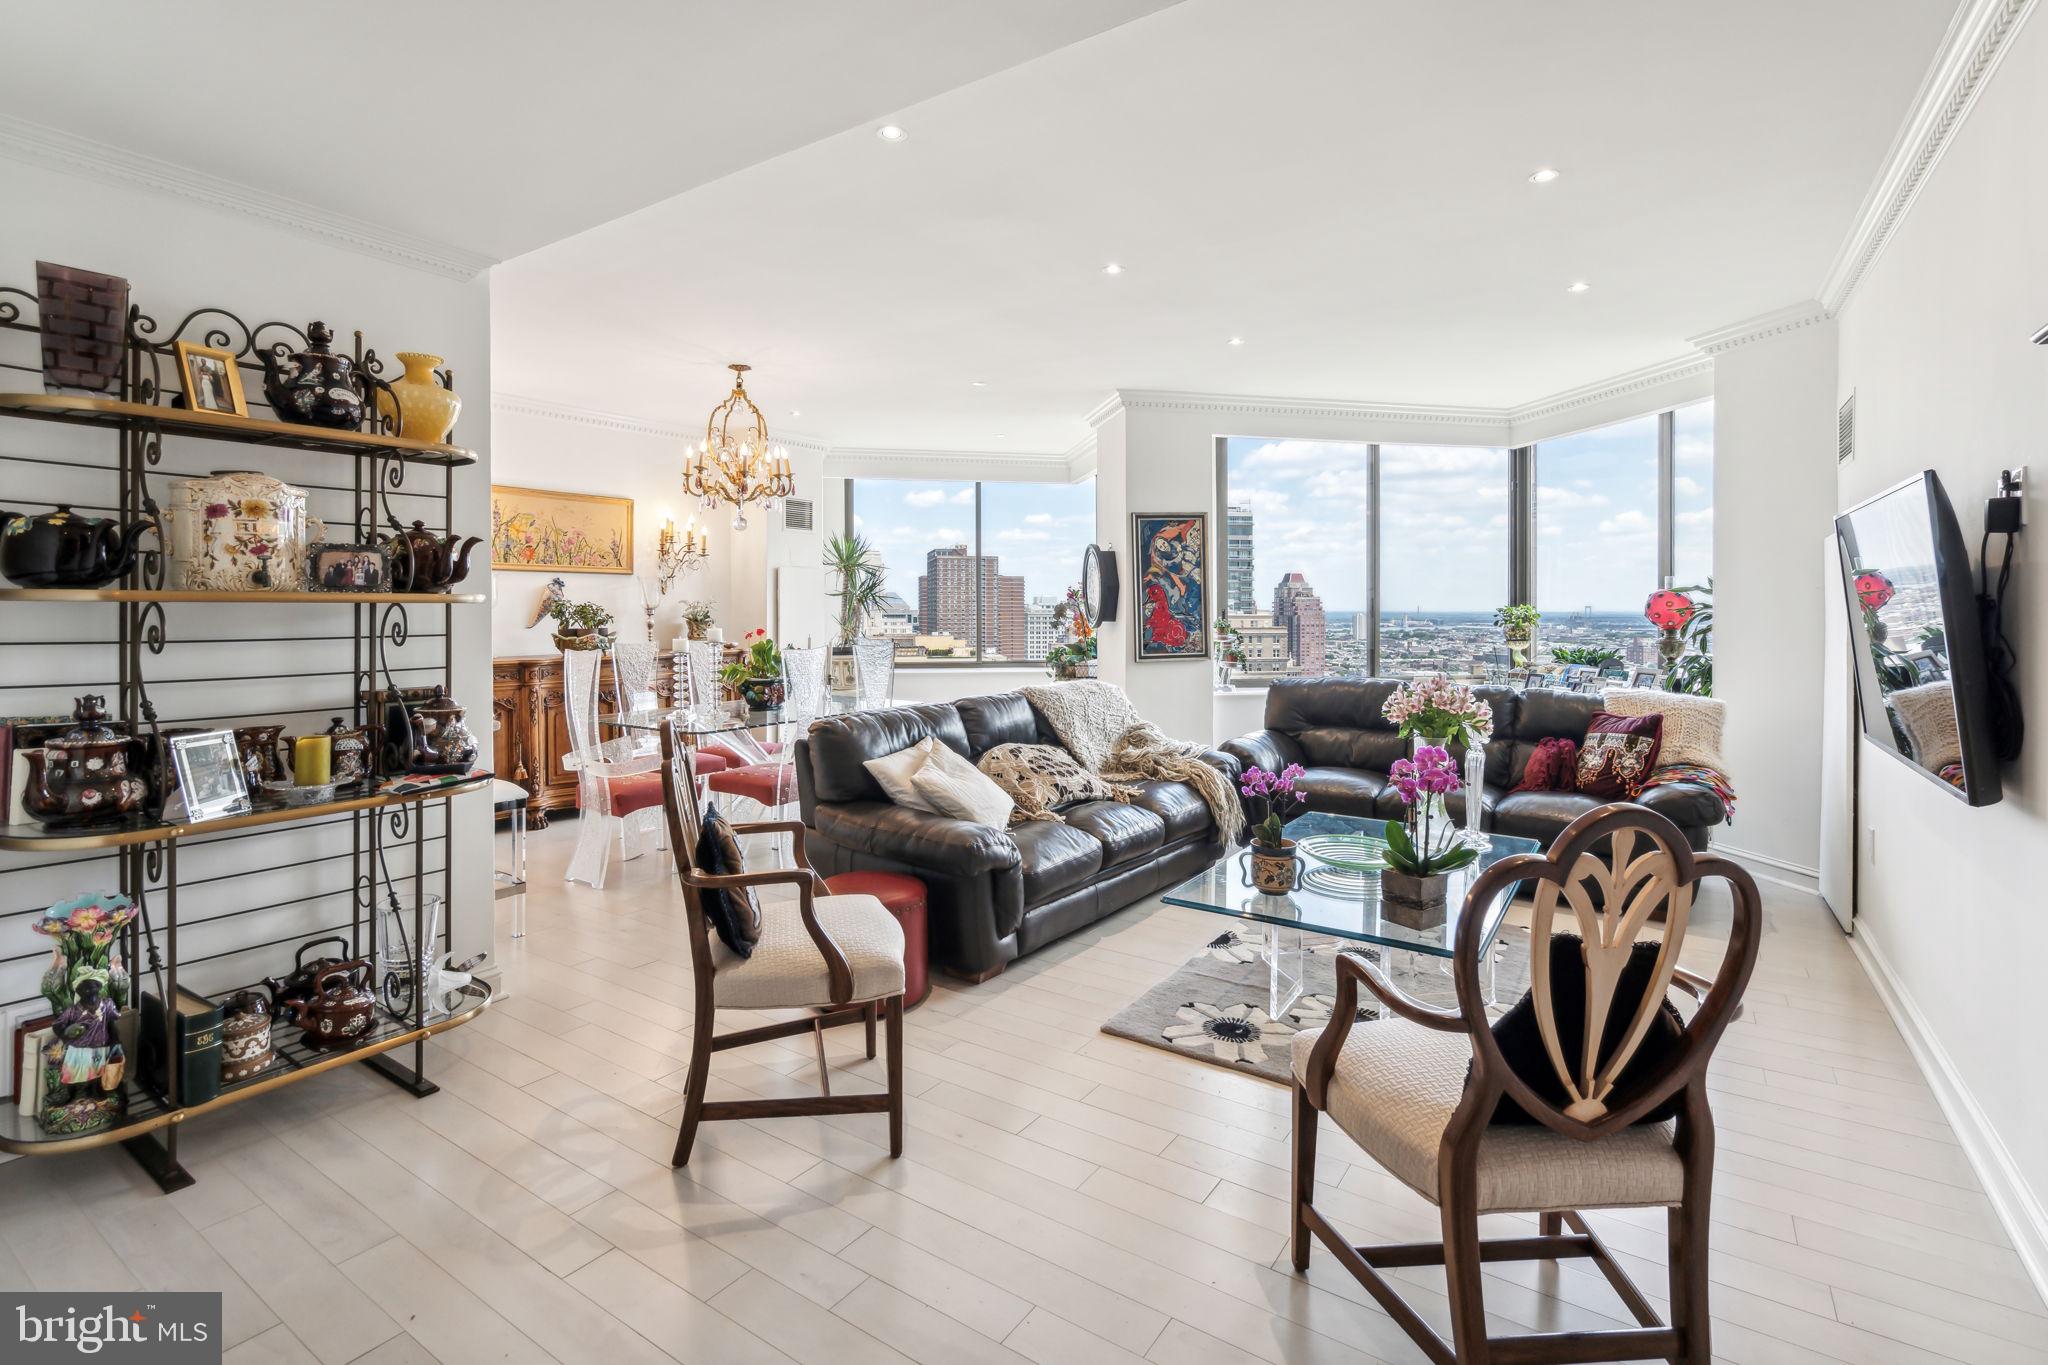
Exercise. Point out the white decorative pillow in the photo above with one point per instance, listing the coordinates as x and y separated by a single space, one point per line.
1927 713
953 786
895 773
1692 725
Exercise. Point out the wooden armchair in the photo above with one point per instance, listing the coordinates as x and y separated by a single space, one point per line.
1417 1089
839 957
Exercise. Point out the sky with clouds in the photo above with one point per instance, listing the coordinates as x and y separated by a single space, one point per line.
1037 529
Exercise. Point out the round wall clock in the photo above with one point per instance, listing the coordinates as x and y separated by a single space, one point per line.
1099 584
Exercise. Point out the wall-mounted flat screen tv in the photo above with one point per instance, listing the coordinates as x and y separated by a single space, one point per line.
1921 685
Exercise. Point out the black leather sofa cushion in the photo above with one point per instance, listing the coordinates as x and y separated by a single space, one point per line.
837 748
1125 831
1343 791
1685 804
1005 718
887 830
1540 815
1176 804
1334 747
1297 704
1057 857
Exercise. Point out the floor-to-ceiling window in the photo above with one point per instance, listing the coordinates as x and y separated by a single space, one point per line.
973 572
1297 554
1692 494
1596 539
1443 559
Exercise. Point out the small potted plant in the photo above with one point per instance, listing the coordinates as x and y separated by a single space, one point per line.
1229 652
1275 870
696 619
1517 622
580 625
1073 660
1423 847
757 674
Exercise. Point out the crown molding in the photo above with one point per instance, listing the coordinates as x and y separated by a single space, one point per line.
1672 371
870 462
1313 409
1762 327
1977 39
589 417
57 150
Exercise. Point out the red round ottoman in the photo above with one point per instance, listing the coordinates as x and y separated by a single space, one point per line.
902 896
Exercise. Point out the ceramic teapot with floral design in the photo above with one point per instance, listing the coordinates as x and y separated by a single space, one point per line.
239 531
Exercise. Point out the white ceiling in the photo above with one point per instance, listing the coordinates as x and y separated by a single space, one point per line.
552 117
1341 182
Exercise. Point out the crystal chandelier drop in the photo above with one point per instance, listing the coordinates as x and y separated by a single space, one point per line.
736 464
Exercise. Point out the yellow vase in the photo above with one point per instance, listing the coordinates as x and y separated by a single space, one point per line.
424 411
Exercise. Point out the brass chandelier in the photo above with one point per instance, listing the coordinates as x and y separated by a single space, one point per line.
737 465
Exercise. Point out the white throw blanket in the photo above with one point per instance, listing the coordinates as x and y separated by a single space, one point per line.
1097 724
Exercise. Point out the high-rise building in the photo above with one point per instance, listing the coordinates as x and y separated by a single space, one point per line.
1296 606
1264 645
945 600
894 616
1041 629
1241 593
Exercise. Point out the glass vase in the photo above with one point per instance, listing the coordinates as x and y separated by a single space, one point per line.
1475 794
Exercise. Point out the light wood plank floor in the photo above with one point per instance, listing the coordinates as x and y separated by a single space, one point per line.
1066 1198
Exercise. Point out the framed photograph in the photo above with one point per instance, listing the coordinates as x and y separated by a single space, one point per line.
1170 611
1644 677
210 776
213 382
532 528
1927 665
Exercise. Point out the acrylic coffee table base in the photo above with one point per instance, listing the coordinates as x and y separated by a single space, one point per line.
1420 975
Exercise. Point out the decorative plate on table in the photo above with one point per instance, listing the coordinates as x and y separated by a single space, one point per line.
1351 852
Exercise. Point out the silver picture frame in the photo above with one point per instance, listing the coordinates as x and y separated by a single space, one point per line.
210 780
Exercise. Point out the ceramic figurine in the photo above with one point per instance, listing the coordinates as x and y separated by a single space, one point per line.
238 531
86 774
87 989
416 405
62 549
314 386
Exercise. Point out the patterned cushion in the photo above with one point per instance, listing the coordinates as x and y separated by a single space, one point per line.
735 915
1552 768
1692 725
786 970
1041 778
1618 754
1393 1092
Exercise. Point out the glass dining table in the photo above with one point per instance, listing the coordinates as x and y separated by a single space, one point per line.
747 730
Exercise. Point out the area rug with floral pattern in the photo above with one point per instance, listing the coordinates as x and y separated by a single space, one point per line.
1214 1008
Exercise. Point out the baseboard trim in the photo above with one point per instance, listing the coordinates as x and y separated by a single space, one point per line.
1777 871
2012 1199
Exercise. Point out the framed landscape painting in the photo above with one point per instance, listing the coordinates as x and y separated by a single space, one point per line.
1172 616
532 528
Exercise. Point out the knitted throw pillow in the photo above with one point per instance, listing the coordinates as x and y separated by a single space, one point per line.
1692 725
1618 754
1552 768
734 915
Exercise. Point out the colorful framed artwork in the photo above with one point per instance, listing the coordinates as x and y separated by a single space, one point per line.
534 529
1171 614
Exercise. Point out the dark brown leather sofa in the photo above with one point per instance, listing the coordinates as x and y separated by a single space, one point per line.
993 894
1336 729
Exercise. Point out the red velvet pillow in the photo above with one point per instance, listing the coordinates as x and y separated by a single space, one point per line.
1619 754
1552 768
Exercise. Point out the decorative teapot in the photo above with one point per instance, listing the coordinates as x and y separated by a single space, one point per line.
422 562
300 983
236 530
85 775
351 749
314 386
337 1012
62 549
425 734
444 734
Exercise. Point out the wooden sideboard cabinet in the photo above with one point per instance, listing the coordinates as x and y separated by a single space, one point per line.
533 726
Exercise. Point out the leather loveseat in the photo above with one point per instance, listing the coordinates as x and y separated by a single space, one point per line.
993 894
1337 730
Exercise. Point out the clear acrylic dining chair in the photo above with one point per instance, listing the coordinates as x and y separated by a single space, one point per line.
874 673
618 781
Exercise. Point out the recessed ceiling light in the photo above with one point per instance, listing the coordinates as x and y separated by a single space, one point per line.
889 132
1235 341
1112 269
977 383
1577 287
1543 176
999 436
794 413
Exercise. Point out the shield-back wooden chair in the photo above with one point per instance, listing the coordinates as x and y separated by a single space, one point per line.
838 958
1416 1090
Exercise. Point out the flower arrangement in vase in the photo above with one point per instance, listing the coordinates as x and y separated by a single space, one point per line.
1423 848
697 618
1434 710
757 674
1275 869
1075 657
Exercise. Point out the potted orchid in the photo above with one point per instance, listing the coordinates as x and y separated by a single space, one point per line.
1423 848
1274 870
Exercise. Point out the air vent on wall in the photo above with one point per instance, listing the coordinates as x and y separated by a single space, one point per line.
1845 429
796 514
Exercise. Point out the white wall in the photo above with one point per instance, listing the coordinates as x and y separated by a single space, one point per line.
1774 442
1934 345
179 255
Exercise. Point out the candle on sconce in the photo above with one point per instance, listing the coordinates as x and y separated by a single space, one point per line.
313 761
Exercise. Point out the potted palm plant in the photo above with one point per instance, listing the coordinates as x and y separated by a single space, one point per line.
859 569
1423 847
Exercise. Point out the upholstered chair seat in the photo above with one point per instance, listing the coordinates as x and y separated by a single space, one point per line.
786 970
1393 1092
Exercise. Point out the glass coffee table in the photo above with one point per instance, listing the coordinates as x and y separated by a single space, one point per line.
1344 902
